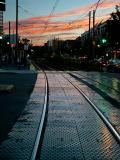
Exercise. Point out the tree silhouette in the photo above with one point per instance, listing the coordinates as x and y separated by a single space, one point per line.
113 28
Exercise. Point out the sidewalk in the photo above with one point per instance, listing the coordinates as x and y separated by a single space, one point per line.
12 68
20 111
17 68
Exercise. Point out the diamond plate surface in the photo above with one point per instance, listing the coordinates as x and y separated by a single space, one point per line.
74 131
112 112
20 141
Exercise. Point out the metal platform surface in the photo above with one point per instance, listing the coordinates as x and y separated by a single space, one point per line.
74 131
111 111
20 141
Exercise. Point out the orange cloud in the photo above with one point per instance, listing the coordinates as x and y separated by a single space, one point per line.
35 27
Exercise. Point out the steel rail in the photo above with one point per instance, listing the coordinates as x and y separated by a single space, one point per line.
42 121
105 120
100 114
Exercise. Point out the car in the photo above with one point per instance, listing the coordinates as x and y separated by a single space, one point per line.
114 65
102 63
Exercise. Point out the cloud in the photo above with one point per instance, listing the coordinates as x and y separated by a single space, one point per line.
39 28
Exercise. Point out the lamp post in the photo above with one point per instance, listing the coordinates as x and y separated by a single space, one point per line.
94 42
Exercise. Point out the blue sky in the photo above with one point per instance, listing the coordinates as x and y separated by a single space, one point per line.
67 21
40 7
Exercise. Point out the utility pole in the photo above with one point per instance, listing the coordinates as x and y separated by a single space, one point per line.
89 23
89 35
93 22
9 48
16 23
9 33
16 52
93 42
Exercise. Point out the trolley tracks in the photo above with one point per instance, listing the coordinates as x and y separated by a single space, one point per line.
42 121
60 122
107 104
48 133
95 107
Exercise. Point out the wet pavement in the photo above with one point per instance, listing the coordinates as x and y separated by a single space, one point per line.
12 103
105 96
74 130
23 113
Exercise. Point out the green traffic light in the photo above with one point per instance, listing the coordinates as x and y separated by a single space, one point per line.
104 40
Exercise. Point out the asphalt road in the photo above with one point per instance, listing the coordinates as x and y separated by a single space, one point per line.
12 103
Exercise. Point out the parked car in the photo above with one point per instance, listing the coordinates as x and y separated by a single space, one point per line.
102 63
114 65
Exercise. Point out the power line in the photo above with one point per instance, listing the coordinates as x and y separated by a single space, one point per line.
86 14
96 5
51 14
25 10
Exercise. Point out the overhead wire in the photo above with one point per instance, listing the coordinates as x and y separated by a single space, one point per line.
96 5
86 14
25 10
50 15
83 15
52 12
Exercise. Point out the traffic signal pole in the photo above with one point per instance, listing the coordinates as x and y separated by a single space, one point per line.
9 32
94 41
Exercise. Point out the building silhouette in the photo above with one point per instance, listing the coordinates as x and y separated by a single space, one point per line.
2 9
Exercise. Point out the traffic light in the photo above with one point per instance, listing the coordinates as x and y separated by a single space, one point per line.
104 41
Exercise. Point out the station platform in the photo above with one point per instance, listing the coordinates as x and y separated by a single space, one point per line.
73 130
19 142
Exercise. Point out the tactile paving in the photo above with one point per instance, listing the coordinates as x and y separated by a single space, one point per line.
74 131
112 112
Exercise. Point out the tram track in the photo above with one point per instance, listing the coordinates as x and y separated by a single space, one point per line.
100 114
109 107
42 123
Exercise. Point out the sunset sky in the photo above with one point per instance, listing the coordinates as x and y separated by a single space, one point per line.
42 20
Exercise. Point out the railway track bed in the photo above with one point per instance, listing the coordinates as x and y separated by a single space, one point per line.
61 124
74 130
